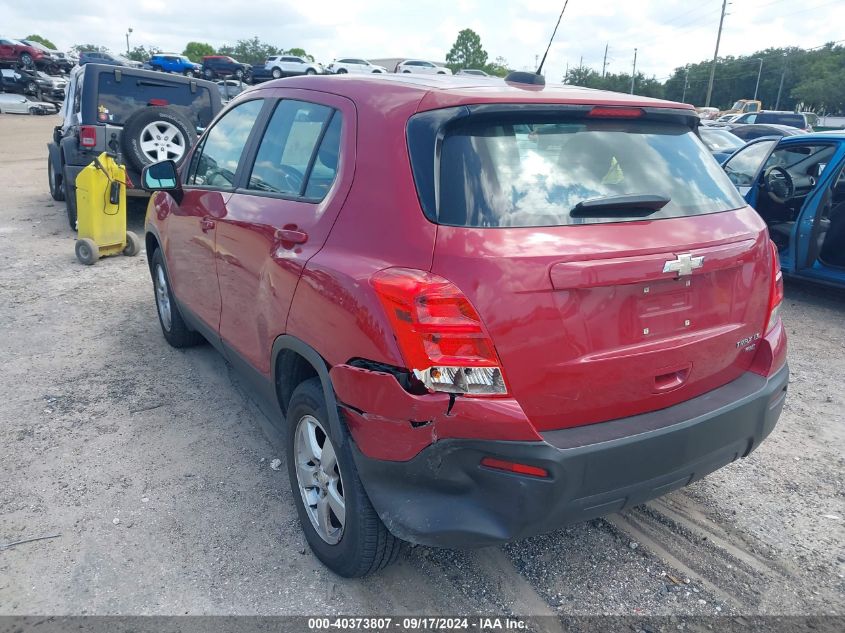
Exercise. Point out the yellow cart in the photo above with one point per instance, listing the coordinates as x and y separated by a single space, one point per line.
101 212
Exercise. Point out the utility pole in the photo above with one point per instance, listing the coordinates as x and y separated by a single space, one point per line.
759 72
128 33
634 72
782 76
686 83
715 55
604 61
581 63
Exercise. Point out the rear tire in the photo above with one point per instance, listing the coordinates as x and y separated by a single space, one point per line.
363 544
26 60
57 191
342 71
137 130
69 186
173 326
310 71
208 74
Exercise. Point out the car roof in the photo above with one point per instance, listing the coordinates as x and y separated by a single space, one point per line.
838 135
441 91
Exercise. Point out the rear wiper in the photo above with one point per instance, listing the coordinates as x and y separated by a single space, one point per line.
638 206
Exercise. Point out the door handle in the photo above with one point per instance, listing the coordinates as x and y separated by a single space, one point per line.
207 224
292 235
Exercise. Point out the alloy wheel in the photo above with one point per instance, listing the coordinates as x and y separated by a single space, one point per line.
163 299
319 479
161 140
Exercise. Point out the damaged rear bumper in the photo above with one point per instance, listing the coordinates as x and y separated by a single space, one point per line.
442 496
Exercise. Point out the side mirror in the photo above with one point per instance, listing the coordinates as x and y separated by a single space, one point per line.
160 177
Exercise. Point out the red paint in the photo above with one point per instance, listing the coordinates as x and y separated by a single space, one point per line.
579 337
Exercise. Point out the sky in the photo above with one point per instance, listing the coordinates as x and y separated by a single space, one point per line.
667 33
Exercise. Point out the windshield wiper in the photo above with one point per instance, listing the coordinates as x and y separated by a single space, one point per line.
638 206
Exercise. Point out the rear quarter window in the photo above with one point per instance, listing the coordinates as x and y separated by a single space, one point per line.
533 172
794 120
118 100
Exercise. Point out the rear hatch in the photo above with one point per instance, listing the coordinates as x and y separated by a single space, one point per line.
651 293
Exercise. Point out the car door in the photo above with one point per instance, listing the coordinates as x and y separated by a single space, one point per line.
280 217
191 224
743 167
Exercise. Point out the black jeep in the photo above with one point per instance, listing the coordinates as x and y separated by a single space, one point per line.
142 116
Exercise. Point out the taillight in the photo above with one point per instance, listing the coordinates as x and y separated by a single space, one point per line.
776 291
439 333
87 135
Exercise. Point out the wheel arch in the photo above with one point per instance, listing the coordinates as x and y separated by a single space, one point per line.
292 362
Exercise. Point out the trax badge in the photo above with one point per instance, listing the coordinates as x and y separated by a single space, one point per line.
684 265
747 341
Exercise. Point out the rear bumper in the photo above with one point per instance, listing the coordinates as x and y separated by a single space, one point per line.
443 497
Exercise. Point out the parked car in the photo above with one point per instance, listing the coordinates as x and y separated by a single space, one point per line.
353 65
472 72
51 87
259 74
20 104
421 66
18 80
291 66
505 338
110 59
141 115
728 118
753 131
720 142
173 63
774 117
215 66
15 52
54 61
229 88
797 185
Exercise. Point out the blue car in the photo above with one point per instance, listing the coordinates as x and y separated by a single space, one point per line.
172 63
797 185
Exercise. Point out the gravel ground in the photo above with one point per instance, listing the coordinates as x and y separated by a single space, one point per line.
154 466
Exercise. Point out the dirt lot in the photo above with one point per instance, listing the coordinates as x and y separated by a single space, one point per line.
154 467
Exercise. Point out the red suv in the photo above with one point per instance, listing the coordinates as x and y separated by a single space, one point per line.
478 312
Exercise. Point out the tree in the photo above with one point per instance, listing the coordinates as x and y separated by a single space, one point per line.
467 52
299 52
142 53
195 51
89 47
251 51
621 82
42 40
498 68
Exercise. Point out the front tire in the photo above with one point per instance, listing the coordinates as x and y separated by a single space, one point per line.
339 522
310 71
173 326
277 73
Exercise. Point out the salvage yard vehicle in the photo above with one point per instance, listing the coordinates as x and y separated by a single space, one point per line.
173 63
291 66
222 66
468 331
421 66
353 65
144 116
797 185
776 117
19 104
15 52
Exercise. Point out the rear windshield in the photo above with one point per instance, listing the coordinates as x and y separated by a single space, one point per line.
795 120
119 99
534 172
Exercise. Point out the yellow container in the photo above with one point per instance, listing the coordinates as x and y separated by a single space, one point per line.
101 212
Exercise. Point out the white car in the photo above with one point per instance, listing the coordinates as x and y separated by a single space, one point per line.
472 72
18 104
421 66
353 65
291 65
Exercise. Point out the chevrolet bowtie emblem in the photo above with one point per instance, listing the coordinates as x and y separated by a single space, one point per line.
683 265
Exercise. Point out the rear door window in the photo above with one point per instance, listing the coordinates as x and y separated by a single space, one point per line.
522 172
118 100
